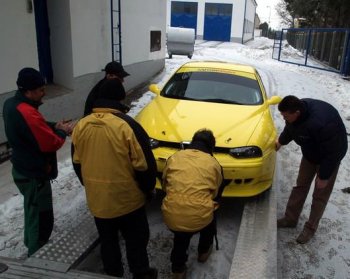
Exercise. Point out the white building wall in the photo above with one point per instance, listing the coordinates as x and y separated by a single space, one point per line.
250 15
136 28
80 38
18 46
238 7
91 35
237 23
61 42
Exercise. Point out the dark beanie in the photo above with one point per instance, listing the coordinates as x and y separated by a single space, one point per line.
29 79
111 89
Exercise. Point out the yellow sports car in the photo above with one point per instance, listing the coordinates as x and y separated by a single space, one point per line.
228 99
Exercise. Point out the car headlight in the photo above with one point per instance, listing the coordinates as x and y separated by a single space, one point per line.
246 152
153 143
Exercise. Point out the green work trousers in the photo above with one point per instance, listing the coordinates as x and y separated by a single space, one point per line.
38 210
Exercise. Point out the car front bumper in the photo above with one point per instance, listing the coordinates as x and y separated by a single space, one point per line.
243 177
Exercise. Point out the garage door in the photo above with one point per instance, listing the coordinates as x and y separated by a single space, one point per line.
217 22
184 14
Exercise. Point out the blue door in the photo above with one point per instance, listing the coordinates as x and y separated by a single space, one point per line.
217 22
43 39
184 14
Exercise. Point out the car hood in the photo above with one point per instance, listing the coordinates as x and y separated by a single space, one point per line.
175 120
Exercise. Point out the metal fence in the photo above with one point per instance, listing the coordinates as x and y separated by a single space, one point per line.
321 48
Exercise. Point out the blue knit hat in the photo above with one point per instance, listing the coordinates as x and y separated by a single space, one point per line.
29 79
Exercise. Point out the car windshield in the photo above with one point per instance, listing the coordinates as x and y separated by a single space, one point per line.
213 87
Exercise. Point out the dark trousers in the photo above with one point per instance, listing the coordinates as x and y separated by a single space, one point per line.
38 210
320 197
135 231
182 240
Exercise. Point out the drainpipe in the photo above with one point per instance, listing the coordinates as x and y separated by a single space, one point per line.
245 9
112 31
120 31
254 24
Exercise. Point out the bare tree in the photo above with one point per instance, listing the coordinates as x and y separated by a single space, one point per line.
286 18
316 13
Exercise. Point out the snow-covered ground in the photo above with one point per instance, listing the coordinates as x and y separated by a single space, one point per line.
327 254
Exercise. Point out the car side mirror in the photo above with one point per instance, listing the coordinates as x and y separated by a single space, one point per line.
154 88
274 100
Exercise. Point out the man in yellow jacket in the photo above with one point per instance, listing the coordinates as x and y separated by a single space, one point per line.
191 180
113 160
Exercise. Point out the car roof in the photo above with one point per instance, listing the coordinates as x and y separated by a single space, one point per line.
219 66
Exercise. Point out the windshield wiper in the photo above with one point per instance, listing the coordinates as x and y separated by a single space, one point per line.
221 101
180 97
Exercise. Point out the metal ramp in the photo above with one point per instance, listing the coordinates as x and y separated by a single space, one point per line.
256 249
58 257
62 253
16 270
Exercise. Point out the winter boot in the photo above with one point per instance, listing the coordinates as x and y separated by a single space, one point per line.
203 257
305 236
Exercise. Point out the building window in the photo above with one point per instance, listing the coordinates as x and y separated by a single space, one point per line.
215 9
184 8
155 40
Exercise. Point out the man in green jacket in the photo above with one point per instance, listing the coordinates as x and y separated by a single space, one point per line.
34 143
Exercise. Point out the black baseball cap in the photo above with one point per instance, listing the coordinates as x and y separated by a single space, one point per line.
116 68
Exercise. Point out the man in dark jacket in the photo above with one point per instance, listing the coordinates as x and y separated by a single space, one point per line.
319 130
113 159
34 143
114 70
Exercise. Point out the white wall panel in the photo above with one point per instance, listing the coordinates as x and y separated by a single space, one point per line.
138 19
18 46
238 10
91 35
61 42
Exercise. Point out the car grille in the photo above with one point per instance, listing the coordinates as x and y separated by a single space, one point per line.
184 145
